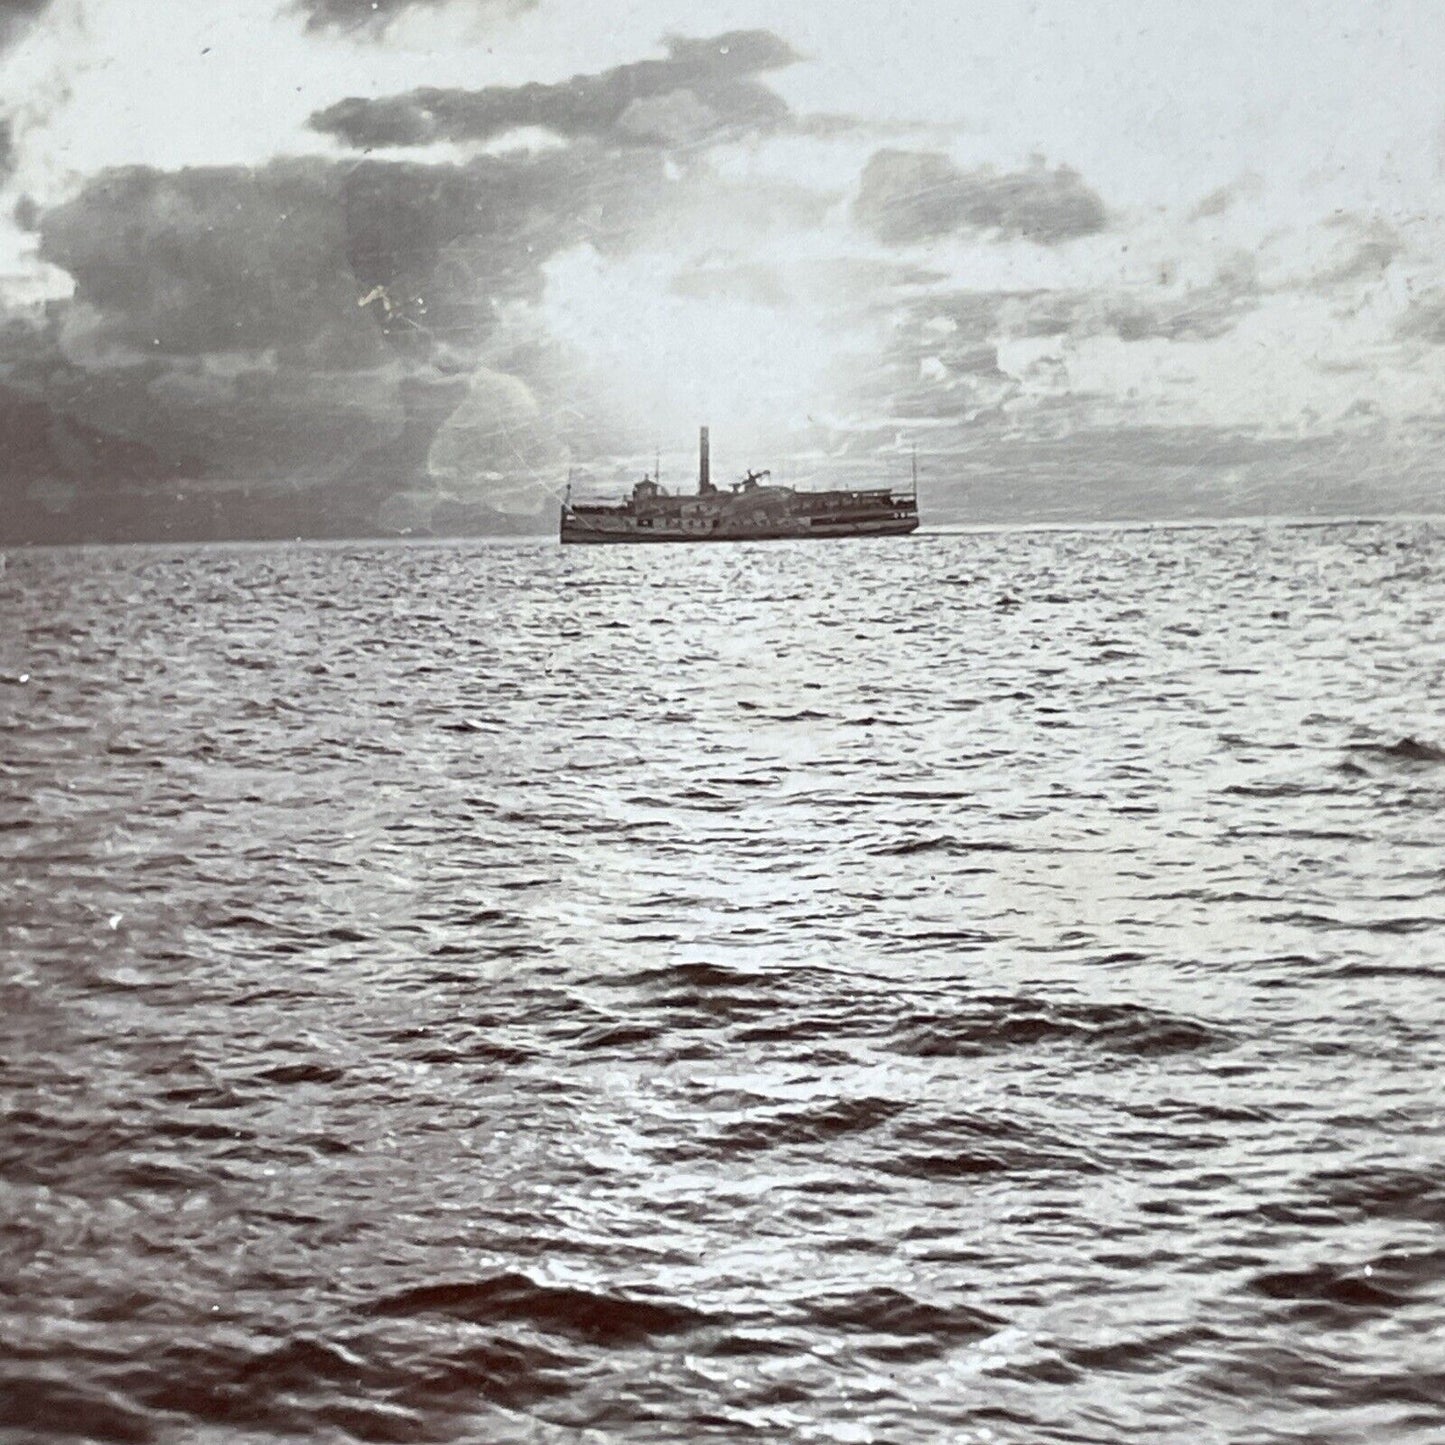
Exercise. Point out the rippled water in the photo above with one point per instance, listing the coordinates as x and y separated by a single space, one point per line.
963 987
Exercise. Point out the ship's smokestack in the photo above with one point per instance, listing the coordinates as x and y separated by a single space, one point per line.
704 466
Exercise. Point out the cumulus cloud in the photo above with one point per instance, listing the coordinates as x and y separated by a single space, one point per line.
16 16
703 88
969 319
907 197
1425 319
1199 313
955 352
215 259
1364 251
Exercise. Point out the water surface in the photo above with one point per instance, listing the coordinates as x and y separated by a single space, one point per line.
972 987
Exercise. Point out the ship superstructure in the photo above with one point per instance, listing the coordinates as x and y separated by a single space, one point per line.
752 509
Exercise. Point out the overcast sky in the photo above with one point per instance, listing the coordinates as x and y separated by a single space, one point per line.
403 264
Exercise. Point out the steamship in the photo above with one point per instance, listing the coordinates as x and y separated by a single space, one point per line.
752 509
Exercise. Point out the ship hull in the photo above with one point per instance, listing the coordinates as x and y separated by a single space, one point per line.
589 532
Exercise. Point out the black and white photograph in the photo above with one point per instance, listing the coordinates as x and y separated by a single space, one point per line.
722 722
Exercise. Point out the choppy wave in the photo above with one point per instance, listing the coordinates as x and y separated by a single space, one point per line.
974 988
